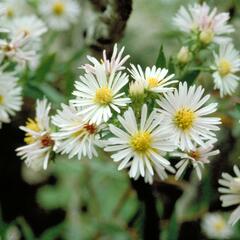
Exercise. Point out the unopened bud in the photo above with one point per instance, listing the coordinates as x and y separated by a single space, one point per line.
136 88
184 55
206 36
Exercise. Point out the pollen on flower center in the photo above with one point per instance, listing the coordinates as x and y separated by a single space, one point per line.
32 125
224 67
219 225
184 118
152 82
10 12
103 96
206 36
195 154
46 141
1 99
58 8
141 142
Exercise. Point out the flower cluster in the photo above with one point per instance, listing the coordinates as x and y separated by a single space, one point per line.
21 43
205 26
139 118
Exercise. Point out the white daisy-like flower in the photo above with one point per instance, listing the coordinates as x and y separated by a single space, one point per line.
111 65
31 26
231 193
186 116
39 143
18 49
14 8
154 79
98 94
197 158
215 226
208 23
75 137
59 14
227 64
10 97
140 146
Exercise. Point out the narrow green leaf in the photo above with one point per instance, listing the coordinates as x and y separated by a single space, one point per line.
53 233
173 229
171 67
238 106
161 59
44 68
26 230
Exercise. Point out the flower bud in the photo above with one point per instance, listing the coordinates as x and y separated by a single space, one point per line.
184 55
136 89
206 36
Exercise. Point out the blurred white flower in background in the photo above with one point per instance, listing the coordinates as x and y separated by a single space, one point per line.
39 143
230 191
10 96
227 64
59 14
210 25
14 8
215 226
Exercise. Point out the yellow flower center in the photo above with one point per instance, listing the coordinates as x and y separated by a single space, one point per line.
103 96
32 125
224 67
235 184
219 225
152 82
58 8
141 142
206 36
10 12
1 99
184 118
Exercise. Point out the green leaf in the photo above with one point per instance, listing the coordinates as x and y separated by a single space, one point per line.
53 233
51 93
173 229
238 106
44 68
161 59
190 77
171 67
26 230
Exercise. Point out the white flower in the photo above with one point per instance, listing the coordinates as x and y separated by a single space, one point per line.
59 14
186 116
75 137
210 25
111 65
14 8
140 146
18 49
197 157
227 63
215 226
99 94
31 26
10 97
231 193
154 79
39 143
